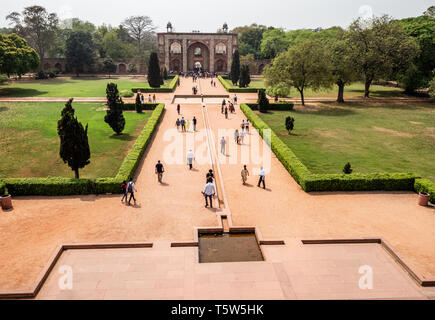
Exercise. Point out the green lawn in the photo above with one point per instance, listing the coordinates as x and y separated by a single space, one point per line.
68 87
355 90
374 138
29 144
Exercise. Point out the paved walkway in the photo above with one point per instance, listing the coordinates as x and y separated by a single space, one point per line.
292 272
30 233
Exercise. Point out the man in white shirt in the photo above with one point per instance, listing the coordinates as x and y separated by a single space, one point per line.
262 178
209 192
190 157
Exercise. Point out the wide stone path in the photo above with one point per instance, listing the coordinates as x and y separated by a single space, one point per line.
169 212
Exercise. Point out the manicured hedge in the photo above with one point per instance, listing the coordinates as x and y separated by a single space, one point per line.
145 106
171 88
331 182
230 88
426 186
280 106
3 189
66 186
133 158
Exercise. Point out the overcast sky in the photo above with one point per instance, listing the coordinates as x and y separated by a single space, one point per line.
208 16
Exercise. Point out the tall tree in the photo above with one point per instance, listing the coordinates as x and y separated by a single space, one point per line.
274 42
235 68
140 28
74 145
16 57
109 66
303 66
80 51
342 68
154 76
245 76
114 117
380 47
37 26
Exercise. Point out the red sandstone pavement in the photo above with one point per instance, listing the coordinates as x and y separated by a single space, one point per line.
30 233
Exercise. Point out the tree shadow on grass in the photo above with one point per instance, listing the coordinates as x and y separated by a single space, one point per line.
380 93
123 137
20 92
3 109
327 111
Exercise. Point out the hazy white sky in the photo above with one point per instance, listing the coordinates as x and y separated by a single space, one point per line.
208 16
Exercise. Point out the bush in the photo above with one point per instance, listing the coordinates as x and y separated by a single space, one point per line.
4 79
280 106
3 189
289 124
41 75
263 102
126 94
229 88
347 168
169 89
332 182
426 186
145 106
68 187
281 91
132 68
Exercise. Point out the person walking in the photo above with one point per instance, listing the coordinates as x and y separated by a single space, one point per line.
178 109
149 98
159 171
262 178
242 136
142 98
190 158
183 125
245 175
131 189
209 192
223 145
210 175
194 123
226 112
247 126
178 124
242 125
124 191
154 98
236 136
235 99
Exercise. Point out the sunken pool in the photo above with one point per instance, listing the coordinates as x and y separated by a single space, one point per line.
241 247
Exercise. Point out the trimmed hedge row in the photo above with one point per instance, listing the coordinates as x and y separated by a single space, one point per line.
3 189
133 158
230 88
66 186
280 106
169 89
426 186
330 182
145 106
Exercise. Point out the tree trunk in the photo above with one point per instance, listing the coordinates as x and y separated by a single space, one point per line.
340 98
302 97
77 173
368 83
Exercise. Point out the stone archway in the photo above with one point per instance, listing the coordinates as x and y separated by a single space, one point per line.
198 52
122 68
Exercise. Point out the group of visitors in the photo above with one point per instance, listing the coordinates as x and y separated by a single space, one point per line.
227 108
195 90
239 135
151 99
128 188
185 124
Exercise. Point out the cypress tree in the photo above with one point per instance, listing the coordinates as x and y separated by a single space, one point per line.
114 116
138 104
154 75
245 77
235 68
74 145
263 102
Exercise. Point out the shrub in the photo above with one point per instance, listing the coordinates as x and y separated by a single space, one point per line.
245 77
132 68
41 75
280 90
347 168
4 79
263 102
280 106
3 189
145 106
138 104
289 124
126 94
154 76
114 117
426 186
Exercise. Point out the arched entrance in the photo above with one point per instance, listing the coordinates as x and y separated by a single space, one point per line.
198 53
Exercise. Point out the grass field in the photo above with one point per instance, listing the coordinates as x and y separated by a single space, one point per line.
373 137
355 90
29 144
68 87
